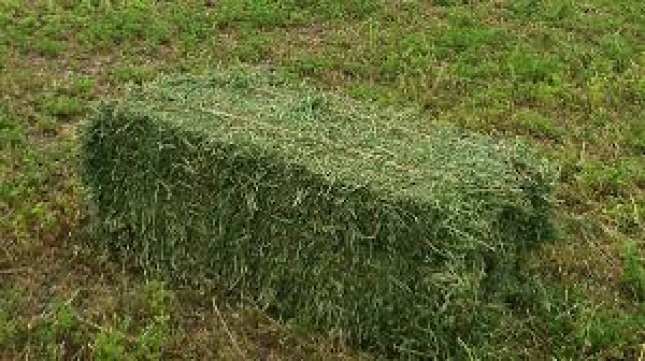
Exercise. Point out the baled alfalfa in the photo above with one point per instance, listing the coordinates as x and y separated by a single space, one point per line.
338 216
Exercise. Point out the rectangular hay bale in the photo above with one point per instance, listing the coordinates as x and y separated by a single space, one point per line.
339 216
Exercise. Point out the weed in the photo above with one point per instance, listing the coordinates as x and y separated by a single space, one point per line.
82 86
528 67
635 133
609 333
617 50
46 47
130 73
633 277
611 180
109 345
63 106
538 125
11 302
253 48
150 342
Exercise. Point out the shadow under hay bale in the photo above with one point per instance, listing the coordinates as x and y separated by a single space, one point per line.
341 217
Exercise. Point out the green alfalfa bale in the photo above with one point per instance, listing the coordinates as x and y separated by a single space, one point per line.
334 215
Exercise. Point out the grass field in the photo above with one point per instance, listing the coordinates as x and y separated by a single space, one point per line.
567 76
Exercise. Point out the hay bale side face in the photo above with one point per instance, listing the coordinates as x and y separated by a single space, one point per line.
337 216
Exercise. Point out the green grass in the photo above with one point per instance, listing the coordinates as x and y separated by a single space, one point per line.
568 77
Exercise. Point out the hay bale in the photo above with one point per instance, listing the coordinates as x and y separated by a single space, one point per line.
338 216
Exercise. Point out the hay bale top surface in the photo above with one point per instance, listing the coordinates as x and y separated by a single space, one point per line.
359 145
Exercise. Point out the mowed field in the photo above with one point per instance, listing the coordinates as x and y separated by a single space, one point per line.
566 76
